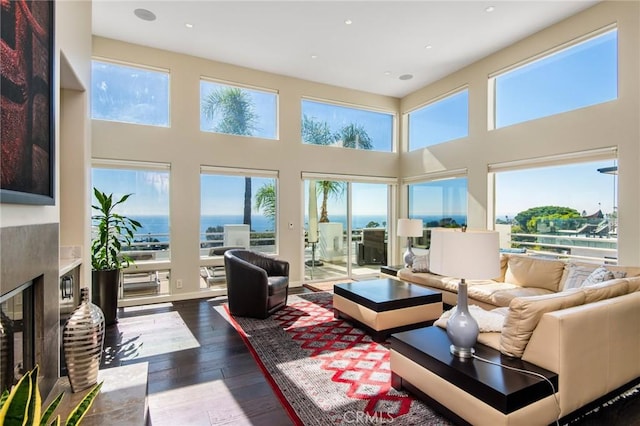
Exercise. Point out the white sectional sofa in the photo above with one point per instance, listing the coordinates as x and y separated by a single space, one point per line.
589 336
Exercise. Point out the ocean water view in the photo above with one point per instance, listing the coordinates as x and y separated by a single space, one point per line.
157 226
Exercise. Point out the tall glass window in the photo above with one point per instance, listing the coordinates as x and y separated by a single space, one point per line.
439 203
237 110
237 211
578 217
341 126
129 94
441 121
579 76
150 250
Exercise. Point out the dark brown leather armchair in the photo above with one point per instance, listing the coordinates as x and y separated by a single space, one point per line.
257 285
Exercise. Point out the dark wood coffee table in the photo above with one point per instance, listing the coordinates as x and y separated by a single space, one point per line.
385 306
505 390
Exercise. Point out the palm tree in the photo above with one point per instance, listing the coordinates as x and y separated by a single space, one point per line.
319 133
329 188
266 200
237 117
316 132
354 136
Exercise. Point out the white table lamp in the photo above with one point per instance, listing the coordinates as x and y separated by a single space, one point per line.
409 228
464 254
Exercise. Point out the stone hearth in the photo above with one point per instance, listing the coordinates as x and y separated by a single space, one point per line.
30 253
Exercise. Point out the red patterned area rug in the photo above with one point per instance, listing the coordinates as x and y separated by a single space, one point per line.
325 371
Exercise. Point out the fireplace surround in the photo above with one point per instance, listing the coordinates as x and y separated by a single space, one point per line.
29 253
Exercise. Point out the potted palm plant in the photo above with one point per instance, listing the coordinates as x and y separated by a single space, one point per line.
112 231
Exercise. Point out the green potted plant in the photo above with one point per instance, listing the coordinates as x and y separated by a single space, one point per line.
23 404
112 231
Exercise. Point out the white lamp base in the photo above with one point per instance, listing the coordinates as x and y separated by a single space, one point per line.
462 328
408 255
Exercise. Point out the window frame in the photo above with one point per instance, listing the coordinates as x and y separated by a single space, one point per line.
143 67
359 107
610 153
241 172
563 47
432 102
242 86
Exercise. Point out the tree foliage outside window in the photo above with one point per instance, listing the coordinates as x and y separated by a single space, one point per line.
237 110
352 135
341 126
236 115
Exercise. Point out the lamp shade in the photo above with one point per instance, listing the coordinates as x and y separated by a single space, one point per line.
409 227
469 255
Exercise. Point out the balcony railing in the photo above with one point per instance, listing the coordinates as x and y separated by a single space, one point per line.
601 249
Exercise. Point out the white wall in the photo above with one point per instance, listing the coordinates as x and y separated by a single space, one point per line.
186 148
610 124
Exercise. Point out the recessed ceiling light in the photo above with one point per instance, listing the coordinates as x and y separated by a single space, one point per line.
145 15
314 56
428 46
348 21
406 77
387 73
490 9
188 25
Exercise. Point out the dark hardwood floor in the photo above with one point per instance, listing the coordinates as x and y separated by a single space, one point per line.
201 373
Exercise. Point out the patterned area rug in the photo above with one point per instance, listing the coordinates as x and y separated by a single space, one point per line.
326 371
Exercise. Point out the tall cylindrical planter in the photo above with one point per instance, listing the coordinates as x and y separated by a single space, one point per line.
104 290
82 340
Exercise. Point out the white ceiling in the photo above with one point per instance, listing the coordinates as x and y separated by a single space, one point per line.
386 37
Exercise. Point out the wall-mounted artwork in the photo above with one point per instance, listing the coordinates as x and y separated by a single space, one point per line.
27 166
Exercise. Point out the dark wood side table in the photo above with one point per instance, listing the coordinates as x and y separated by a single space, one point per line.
391 269
503 389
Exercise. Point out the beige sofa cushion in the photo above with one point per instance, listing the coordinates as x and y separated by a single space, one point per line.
632 271
504 260
504 296
428 279
605 290
529 271
634 284
524 314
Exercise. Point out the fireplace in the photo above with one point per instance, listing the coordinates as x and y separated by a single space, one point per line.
17 334
29 294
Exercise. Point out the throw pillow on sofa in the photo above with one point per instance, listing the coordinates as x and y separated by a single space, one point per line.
599 275
421 263
576 274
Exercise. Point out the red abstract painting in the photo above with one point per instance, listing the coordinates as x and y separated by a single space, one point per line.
26 152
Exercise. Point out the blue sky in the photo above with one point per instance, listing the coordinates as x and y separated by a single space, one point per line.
517 191
583 75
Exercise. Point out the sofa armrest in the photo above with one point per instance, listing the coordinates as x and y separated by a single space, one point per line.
594 348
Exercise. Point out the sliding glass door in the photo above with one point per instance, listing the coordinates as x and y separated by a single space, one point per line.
369 230
345 228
